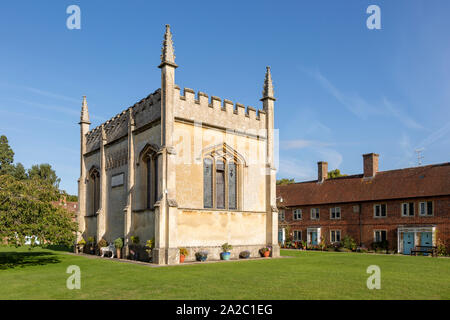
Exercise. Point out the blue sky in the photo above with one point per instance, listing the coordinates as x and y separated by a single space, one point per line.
342 90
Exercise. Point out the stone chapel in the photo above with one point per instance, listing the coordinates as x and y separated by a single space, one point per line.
184 169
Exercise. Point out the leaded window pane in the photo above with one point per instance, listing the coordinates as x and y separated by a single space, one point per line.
207 183
383 210
232 185
220 184
149 182
411 208
430 208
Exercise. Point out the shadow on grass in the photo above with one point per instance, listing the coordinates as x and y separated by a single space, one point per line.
11 260
59 247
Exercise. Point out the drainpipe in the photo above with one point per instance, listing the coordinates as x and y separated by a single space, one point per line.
360 226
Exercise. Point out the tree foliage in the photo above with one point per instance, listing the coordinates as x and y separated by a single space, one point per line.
19 172
336 173
44 172
6 156
71 198
284 181
26 210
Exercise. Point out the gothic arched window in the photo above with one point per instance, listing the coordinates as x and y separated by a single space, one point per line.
149 158
151 190
220 184
207 183
221 179
232 185
94 186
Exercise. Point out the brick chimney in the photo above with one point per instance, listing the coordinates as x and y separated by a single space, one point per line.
322 169
370 164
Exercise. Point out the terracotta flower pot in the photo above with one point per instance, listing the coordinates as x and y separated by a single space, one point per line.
118 253
266 254
182 257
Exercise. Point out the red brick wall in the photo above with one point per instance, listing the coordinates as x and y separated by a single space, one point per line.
349 224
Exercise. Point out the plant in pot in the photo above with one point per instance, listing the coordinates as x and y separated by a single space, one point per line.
80 245
101 244
134 247
265 252
322 244
201 255
91 241
183 254
304 245
225 254
149 247
244 254
118 243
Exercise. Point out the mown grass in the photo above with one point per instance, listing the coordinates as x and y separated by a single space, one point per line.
41 274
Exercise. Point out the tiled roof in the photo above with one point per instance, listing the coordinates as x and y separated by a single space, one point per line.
425 181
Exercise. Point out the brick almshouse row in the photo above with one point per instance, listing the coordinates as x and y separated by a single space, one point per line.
407 207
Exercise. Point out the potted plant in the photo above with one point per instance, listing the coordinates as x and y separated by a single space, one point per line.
322 244
149 247
265 252
101 244
304 245
225 254
201 255
91 241
118 243
81 245
134 247
244 254
183 254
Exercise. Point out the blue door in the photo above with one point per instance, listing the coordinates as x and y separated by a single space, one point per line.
314 238
280 235
408 242
426 240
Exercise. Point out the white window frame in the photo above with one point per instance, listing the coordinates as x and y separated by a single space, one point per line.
375 234
281 215
380 205
315 214
299 238
336 231
407 214
425 203
335 211
297 214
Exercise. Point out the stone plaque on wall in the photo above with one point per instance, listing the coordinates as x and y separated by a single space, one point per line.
117 180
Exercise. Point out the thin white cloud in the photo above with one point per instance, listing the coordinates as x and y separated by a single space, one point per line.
317 128
363 109
51 94
405 159
293 168
443 132
401 116
353 103
25 115
61 109
301 143
303 170
331 156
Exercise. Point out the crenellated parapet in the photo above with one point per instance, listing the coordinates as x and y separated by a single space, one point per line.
144 112
213 111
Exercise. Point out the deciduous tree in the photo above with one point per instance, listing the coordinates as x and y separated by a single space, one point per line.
26 210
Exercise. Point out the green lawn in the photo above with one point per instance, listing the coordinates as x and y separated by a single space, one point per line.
41 274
